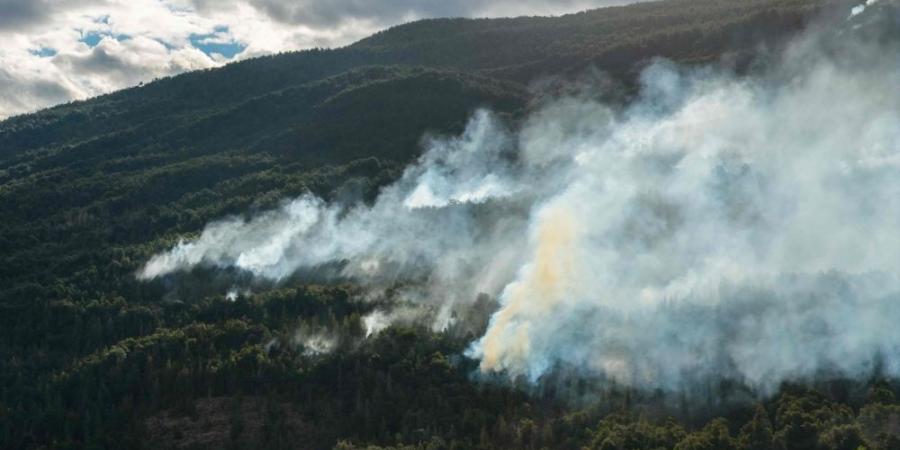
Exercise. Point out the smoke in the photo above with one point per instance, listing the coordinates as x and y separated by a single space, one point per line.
441 222
375 322
717 227
859 9
234 293
315 342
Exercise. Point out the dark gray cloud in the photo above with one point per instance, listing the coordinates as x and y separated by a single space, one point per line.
317 13
26 91
16 12
19 14
23 14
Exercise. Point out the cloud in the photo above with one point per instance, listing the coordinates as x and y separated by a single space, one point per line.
26 14
316 13
56 51
719 227
112 63
29 86
19 13
78 49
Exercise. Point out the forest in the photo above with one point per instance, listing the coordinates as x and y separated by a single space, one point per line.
92 357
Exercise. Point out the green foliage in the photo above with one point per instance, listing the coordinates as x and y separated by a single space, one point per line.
626 433
757 434
92 358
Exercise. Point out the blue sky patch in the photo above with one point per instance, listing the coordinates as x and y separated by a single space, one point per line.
217 42
93 38
43 52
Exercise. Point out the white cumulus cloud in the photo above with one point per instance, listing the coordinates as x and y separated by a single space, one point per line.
56 51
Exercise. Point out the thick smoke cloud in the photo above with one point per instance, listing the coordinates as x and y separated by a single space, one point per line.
445 221
717 227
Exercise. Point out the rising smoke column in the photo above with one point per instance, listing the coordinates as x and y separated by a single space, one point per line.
441 225
718 227
739 228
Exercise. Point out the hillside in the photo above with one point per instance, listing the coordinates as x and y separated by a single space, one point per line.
618 40
206 130
89 191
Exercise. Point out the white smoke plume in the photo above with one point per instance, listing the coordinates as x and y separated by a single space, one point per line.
717 227
437 222
234 293
314 342
857 10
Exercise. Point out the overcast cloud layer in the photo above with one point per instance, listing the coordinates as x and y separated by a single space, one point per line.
59 50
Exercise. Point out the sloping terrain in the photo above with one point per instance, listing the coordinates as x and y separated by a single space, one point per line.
92 358
108 158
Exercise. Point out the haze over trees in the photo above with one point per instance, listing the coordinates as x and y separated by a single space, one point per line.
92 357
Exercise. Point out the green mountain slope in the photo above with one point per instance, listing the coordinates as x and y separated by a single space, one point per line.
522 49
111 156
89 190
616 39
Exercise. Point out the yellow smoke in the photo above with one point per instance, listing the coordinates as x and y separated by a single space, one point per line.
541 286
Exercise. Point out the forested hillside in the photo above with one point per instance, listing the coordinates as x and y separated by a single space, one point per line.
89 191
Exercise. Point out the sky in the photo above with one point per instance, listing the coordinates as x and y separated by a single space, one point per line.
54 51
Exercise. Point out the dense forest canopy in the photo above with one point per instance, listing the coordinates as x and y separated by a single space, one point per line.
94 356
